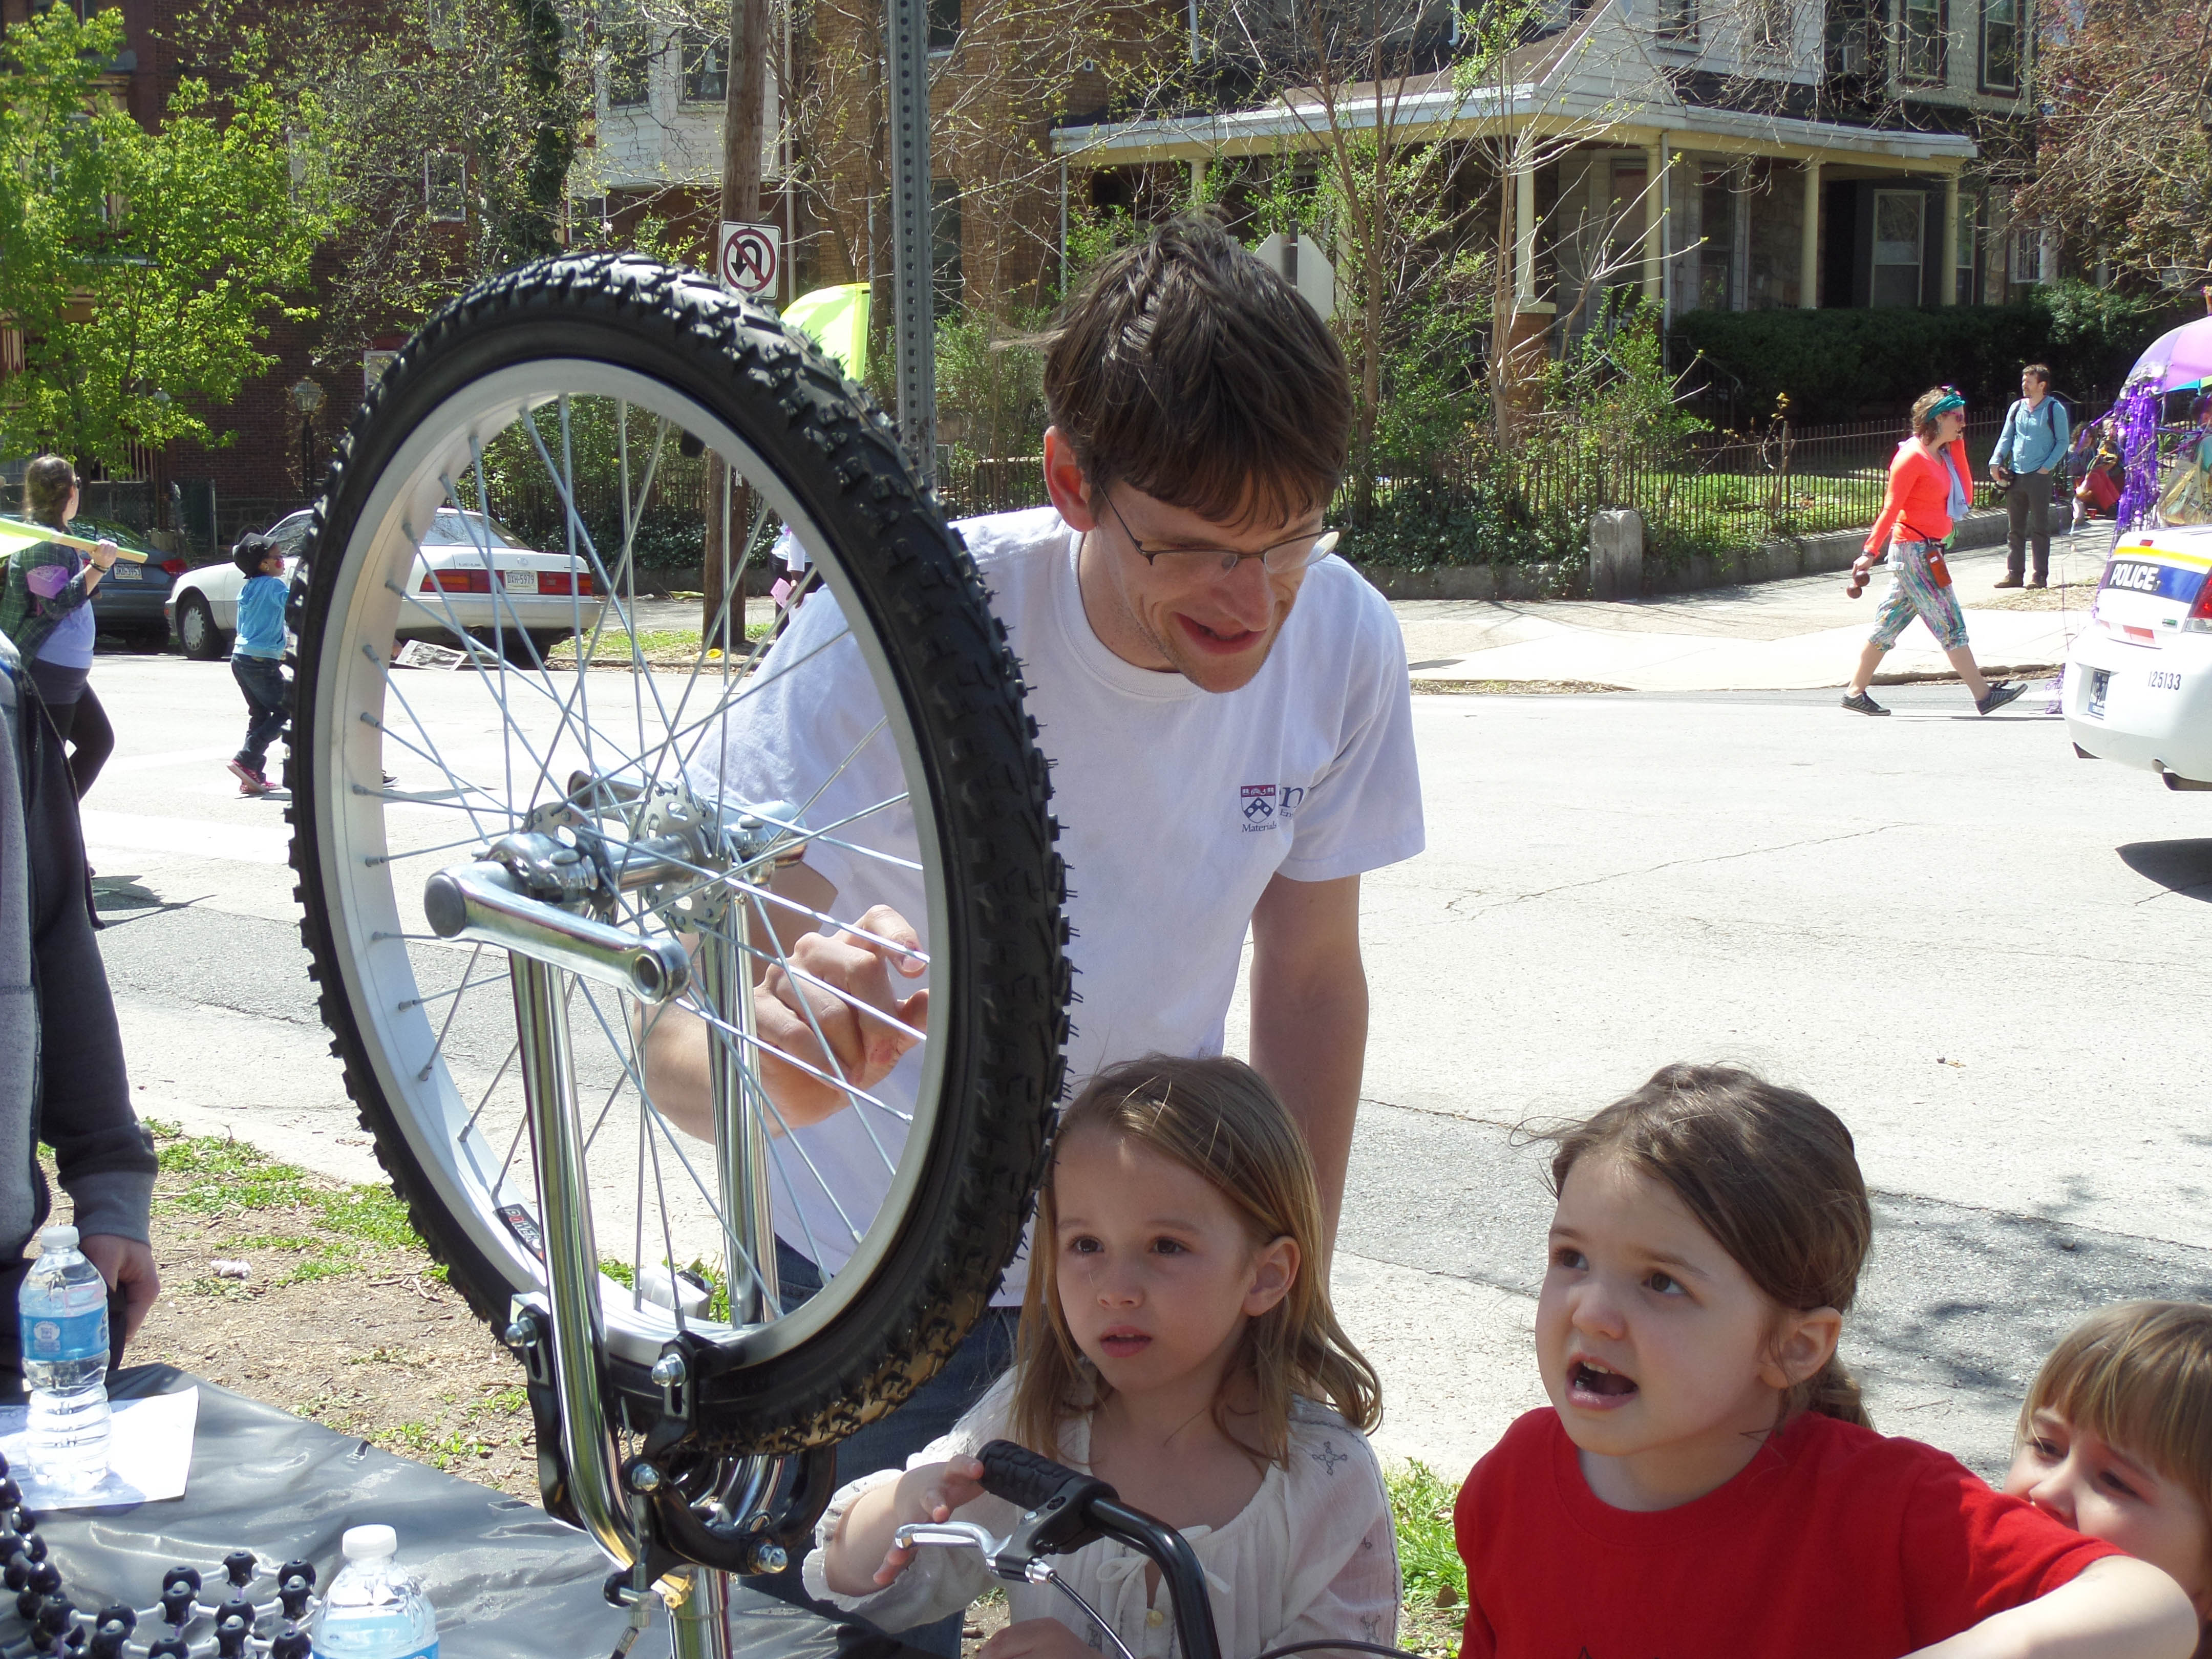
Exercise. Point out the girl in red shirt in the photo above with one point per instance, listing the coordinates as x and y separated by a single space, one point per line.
1931 487
1705 1482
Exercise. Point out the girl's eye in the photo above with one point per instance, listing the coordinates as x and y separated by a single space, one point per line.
1567 1256
1665 1284
1084 1245
2047 1448
1169 1247
2113 1480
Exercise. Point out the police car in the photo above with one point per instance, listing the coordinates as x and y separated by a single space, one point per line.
2139 675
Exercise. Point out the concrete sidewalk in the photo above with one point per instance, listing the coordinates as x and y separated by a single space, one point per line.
1795 635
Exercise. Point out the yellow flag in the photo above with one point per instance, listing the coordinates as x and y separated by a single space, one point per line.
836 319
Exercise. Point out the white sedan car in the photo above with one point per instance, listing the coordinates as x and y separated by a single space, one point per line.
528 595
2139 677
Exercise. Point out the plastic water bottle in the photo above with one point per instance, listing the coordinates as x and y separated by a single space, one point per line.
63 1309
375 1608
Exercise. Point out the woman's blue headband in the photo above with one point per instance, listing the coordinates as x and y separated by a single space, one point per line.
1944 404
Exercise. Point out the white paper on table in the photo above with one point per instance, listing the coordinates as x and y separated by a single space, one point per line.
149 1453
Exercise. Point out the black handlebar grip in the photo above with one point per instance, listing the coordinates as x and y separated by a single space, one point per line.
1020 1475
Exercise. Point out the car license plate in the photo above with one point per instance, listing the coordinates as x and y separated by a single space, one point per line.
2100 681
122 572
519 582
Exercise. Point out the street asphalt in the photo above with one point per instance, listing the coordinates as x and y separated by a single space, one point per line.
1978 949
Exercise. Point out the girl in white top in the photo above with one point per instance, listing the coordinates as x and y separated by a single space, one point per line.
1177 1342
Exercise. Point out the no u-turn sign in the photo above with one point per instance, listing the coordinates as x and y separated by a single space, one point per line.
746 257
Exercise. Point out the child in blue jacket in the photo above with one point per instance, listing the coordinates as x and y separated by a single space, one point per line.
257 659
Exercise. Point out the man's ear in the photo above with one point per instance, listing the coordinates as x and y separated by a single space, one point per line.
1064 482
1275 1270
1803 1344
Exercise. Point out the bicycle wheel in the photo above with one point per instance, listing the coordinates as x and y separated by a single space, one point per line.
494 496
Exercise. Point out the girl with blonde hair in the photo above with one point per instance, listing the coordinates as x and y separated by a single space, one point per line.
1177 1342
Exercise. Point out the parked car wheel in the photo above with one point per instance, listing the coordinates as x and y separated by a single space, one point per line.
197 635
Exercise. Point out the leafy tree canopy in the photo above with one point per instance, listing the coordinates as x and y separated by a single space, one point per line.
142 269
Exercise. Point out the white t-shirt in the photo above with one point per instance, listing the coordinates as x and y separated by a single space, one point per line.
1310 1557
1176 807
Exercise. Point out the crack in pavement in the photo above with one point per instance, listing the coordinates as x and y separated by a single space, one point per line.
1673 864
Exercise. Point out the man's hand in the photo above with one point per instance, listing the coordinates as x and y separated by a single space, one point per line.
844 981
127 1266
1035 1638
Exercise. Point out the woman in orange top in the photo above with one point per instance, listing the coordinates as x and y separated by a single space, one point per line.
1929 489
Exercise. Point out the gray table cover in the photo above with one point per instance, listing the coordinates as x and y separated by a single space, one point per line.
508 1582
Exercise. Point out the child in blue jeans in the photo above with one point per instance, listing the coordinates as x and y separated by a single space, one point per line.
257 659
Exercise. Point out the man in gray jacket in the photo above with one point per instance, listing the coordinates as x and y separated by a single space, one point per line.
62 1078
2032 444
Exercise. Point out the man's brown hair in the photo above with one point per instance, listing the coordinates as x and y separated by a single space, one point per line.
1188 370
2040 370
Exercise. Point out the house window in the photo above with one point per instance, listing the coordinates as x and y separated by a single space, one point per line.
1767 26
446 187
947 281
2000 45
1675 19
1899 217
1716 243
630 67
944 25
706 67
1924 28
2027 254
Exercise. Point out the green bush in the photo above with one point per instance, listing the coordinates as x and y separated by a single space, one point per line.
1844 365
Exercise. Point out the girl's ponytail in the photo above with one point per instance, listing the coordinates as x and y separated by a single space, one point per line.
1832 1391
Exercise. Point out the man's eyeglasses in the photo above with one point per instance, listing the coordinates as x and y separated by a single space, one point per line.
1199 563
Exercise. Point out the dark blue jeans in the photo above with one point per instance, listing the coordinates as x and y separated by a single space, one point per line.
929 1413
268 705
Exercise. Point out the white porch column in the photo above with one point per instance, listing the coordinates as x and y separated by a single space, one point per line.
1524 236
1950 295
1808 241
1655 218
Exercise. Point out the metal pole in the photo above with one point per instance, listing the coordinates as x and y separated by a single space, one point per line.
905 52
741 1152
699 1626
572 1258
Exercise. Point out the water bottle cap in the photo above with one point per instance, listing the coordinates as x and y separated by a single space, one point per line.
62 1237
369 1543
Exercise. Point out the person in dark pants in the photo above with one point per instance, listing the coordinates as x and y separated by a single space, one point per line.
62 1077
46 607
257 660
2030 446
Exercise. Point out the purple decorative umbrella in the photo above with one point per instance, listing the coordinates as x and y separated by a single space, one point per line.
2178 358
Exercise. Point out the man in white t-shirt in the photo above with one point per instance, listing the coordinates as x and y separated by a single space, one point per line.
1225 709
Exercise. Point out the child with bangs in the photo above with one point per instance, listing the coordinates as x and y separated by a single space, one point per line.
1176 1341
2116 1440
1706 1483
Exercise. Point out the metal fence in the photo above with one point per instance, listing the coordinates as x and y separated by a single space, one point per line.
1733 491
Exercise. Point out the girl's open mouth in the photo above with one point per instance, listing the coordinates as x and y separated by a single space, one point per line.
1123 1344
1594 1387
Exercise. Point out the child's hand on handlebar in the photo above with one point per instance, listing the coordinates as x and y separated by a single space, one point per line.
1035 1638
931 1492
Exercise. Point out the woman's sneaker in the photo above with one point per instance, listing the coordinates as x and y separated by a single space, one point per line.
1999 695
1859 703
250 783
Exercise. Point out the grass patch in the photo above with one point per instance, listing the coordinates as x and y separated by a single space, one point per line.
657 644
1421 1510
218 1178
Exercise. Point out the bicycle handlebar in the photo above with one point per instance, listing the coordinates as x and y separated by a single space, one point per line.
1065 1511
